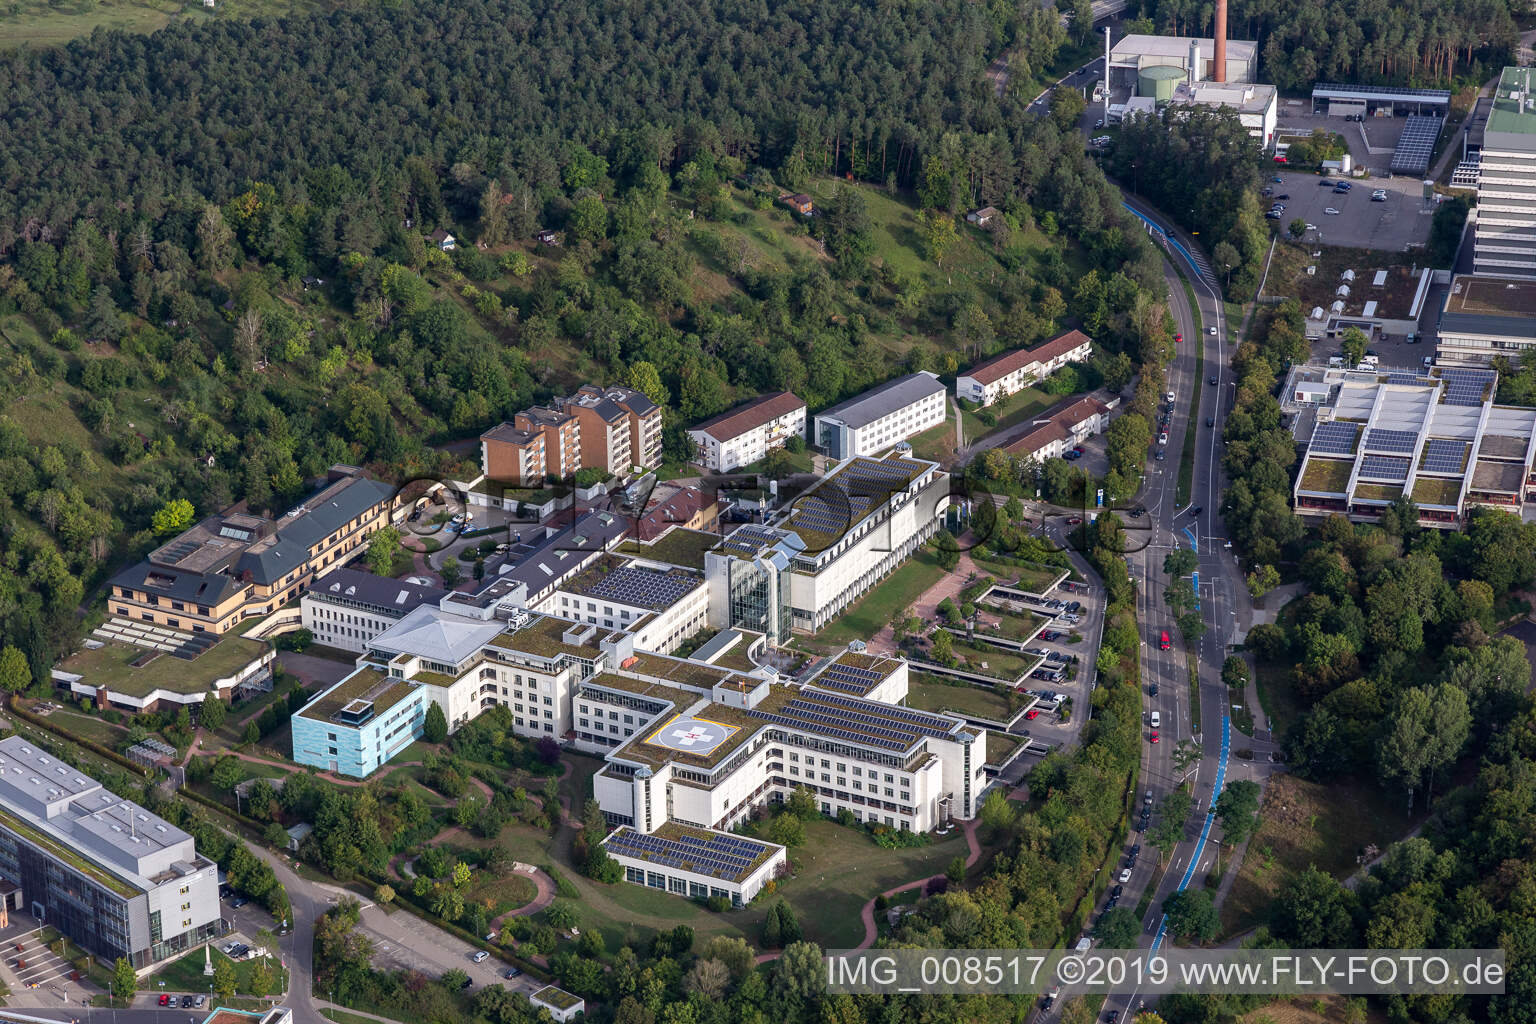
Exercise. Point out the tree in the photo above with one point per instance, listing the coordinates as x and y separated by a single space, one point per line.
1262 580
943 650
955 872
450 570
1226 256
589 219
172 517
223 977
1013 509
1067 105
773 935
1353 343
939 235
644 378
998 813
15 673
562 916
1238 810
435 728
1234 671
384 894
1191 915
124 979
211 713
382 548
802 804
261 977
1312 910
709 978
787 830
1117 928
1297 227
462 873
1425 734
227 773
1180 562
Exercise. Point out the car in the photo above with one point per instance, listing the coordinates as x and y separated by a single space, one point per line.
1138 512
1135 851
198 1002
1272 215
1331 211
238 902
1031 715
1344 185
1211 331
1327 183
1077 448
186 1002
481 956
1282 159
1283 195
1070 456
1311 227
466 983
1152 690
1111 1017
1177 338
1099 123
1161 455
165 1000
1163 643
1277 208
1278 180
1047 1003
1050 634
1111 903
1125 875
1379 196
1212 382
1118 889
513 972
1074 520
1153 737
1266 191
1196 510
1162 438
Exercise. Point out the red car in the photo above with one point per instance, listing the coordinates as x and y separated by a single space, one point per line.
165 1000
1178 338
1031 715
1282 160
1074 520
1154 735
1163 643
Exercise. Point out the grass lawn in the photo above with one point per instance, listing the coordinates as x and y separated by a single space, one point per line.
1032 578
1015 625
1016 408
937 443
928 693
186 975
1304 823
1000 745
89 727
343 1017
993 661
499 895
874 610
1187 456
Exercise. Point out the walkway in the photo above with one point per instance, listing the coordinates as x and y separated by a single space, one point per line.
867 915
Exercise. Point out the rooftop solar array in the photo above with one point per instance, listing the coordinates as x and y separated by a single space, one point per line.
1334 438
644 588
858 721
1384 467
1416 144
848 679
720 855
1466 387
1411 379
1444 456
1400 441
1327 88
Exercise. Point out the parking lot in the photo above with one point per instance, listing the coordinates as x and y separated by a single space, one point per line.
1390 226
31 965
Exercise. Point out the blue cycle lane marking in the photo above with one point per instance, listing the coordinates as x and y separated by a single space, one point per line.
1205 830
1169 239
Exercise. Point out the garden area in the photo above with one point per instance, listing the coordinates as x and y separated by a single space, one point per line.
928 692
874 611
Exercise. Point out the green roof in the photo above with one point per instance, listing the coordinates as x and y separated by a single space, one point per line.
1506 115
112 664
556 997
678 546
65 854
364 684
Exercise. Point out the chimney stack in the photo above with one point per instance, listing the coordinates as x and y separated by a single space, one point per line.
1194 61
1219 57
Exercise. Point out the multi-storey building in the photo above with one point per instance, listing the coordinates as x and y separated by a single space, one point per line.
748 432
661 605
348 608
1072 422
1505 239
514 456
669 505
236 565
562 438
620 428
1010 372
115 879
827 547
881 417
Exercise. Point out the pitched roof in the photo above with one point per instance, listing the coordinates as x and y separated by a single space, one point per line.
1058 426
749 416
998 367
389 595
875 403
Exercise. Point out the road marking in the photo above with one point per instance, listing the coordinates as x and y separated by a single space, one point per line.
1205 830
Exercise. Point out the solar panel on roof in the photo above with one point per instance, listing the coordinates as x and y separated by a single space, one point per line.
1416 144
1391 440
1384 467
1442 455
1325 89
1334 438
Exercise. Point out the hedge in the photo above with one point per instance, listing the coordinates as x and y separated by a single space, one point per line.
88 744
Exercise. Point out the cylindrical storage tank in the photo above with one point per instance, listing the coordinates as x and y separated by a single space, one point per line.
1158 82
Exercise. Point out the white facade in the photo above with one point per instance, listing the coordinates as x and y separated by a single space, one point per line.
660 630
1505 234
883 417
1013 371
1256 106
743 437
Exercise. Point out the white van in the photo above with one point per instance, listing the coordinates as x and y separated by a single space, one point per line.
1157 720
1170 396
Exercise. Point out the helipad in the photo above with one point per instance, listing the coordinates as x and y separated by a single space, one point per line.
690 735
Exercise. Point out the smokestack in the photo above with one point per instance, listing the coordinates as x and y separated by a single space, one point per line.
1106 74
1219 61
1194 61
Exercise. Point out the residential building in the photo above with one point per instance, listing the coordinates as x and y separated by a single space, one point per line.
1437 438
827 547
1070 423
984 216
115 879
748 432
881 417
349 608
641 416
514 456
670 505
1484 317
1010 372
236 565
562 438
1504 241
800 203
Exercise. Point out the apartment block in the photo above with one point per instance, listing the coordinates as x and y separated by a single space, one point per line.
514 456
1014 371
562 438
237 565
748 432
629 410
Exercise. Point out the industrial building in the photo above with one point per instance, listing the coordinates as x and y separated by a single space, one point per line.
1184 56
1504 241
1436 438
1256 105
113 878
1152 73
881 417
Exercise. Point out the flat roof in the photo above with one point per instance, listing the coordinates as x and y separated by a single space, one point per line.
703 851
854 673
1245 97
1507 115
844 497
678 546
544 636
638 586
367 684
879 402
1334 91
1178 46
1491 296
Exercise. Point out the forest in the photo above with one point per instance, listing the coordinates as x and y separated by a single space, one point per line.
1427 43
